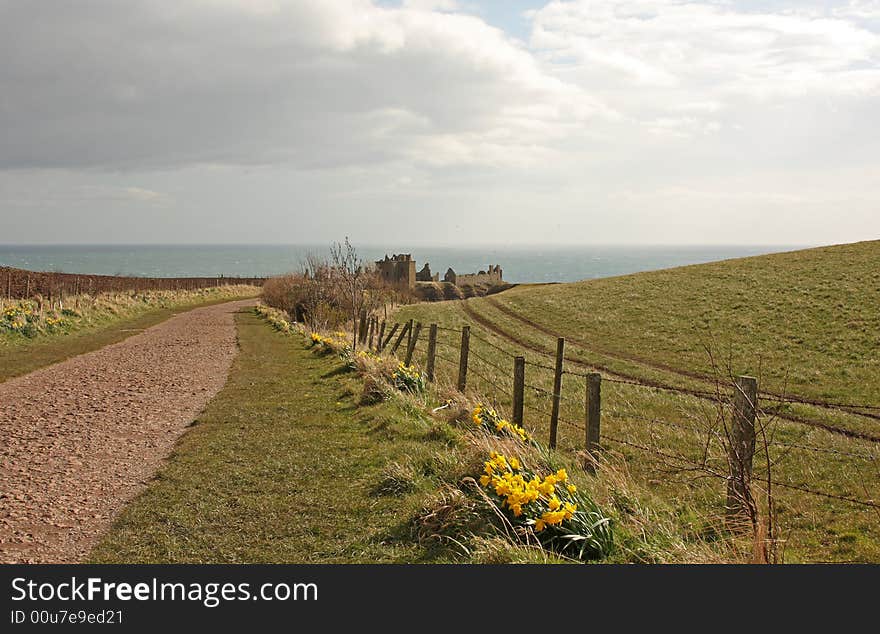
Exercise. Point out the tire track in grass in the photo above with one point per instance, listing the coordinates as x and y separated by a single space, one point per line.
657 365
498 331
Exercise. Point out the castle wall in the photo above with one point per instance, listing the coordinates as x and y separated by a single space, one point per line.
492 276
472 279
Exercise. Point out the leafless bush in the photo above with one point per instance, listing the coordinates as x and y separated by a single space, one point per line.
352 281
328 293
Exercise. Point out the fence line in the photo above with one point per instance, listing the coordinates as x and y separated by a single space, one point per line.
813 448
740 436
833 496
23 284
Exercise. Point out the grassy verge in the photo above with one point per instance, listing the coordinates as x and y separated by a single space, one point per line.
113 318
302 459
281 467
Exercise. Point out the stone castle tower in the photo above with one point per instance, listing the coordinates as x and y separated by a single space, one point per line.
398 270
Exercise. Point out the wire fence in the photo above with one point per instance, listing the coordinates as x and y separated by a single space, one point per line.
483 356
21 284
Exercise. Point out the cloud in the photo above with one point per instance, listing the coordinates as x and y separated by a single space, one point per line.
862 9
687 69
66 194
607 120
312 84
670 43
432 5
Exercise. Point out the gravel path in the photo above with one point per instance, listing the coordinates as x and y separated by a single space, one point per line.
81 438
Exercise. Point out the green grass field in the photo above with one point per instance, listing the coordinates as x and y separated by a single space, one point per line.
806 323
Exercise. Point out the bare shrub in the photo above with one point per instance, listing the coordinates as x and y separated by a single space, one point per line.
327 294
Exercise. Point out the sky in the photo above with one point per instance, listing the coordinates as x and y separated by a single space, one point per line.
439 122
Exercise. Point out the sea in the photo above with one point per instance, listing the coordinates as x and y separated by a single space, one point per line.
520 264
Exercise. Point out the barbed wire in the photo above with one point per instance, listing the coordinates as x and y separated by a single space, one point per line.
544 367
833 496
719 475
717 397
481 339
702 376
442 342
660 421
828 450
664 388
538 410
654 420
583 375
491 382
572 424
790 398
709 431
446 359
487 362
538 389
690 391
682 459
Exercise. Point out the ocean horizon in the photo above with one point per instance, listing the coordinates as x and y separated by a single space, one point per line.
521 264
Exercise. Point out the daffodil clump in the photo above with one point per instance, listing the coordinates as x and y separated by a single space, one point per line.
24 318
489 420
408 379
40 316
325 344
368 354
274 317
517 488
563 519
54 323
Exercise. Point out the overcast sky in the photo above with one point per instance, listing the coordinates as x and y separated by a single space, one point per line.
294 121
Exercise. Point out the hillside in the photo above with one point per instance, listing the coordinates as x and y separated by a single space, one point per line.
805 323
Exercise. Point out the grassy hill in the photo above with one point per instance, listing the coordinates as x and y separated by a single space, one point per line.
806 323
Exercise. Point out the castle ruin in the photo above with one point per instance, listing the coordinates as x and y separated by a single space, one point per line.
425 275
400 270
493 275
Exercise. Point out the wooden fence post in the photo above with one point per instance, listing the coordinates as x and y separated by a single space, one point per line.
409 332
593 408
403 333
411 347
432 352
372 330
557 391
519 385
463 357
379 338
362 327
390 335
742 445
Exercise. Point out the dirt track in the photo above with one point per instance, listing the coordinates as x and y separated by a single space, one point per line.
518 340
80 438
